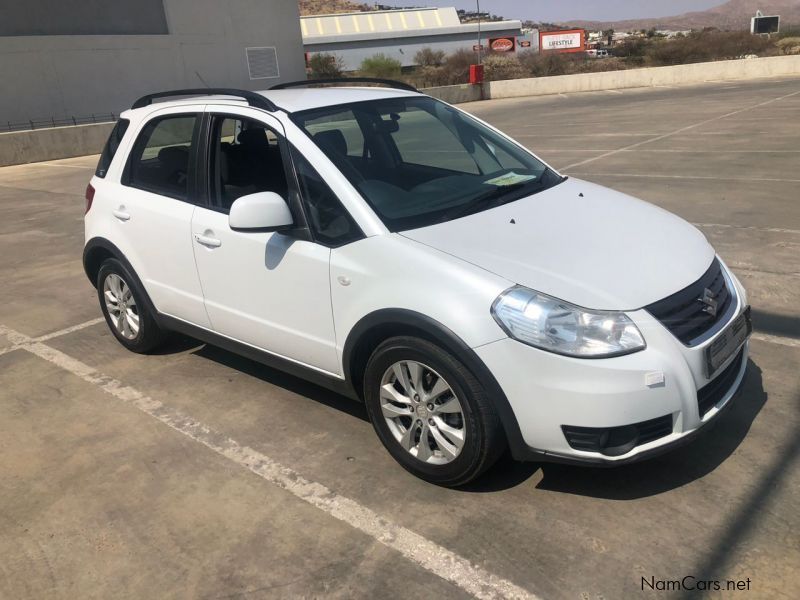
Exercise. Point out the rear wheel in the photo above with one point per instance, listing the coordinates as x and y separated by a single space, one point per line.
430 412
121 300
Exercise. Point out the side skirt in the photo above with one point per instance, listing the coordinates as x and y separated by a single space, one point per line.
340 386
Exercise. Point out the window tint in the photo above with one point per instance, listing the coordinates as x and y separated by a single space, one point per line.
246 158
110 149
424 139
160 158
329 221
340 131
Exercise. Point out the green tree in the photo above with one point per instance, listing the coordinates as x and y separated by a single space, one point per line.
428 57
326 66
381 66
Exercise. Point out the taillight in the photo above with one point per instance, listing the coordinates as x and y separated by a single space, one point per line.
89 197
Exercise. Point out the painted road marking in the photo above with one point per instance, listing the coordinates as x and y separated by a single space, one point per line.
427 554
704 177
681 130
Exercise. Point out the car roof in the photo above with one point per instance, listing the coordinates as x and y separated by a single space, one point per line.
299 99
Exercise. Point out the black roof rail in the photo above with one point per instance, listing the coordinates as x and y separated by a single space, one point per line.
387 82
253 99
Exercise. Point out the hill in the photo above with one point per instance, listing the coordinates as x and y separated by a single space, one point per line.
733 15
328 7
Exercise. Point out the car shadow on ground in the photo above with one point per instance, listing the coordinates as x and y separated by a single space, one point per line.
283 380
638 480
650 477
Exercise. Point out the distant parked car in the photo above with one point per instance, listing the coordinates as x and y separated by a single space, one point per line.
598 53
400 251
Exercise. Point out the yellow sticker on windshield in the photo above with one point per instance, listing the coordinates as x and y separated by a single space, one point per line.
510 178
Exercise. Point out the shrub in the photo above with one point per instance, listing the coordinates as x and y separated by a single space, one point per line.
428 57
326 66
789 45
457 65
547 63
707 46
500 66
381 66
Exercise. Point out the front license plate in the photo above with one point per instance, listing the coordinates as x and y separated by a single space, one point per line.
729 341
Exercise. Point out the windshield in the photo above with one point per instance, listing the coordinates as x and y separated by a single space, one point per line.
418 161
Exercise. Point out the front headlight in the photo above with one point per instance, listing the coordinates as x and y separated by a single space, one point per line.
563 328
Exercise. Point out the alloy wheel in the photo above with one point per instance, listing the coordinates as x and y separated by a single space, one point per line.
423 412
121 306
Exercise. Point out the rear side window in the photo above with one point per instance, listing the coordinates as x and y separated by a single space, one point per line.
160 159
110 149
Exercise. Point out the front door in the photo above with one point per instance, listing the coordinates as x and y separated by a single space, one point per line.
269 290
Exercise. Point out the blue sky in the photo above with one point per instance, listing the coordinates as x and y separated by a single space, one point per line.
568 10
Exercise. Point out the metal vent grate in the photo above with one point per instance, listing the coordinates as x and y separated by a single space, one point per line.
262 63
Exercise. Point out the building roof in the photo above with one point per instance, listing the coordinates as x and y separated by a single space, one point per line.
382 24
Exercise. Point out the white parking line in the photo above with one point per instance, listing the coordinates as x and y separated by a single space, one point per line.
704 177
67 330
49 164
427 554
774 339
681 130
751 227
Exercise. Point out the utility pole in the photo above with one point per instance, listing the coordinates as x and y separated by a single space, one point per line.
480 46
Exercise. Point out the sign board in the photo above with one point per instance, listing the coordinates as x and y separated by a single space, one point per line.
503 44
762 24
525 44
477 47
569 40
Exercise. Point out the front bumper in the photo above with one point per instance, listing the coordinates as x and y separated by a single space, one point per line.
548 392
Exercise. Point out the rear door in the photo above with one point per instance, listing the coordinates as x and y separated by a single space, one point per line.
152 212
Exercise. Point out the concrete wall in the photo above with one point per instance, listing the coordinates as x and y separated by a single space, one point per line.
61 76
614 80
20 147
63 142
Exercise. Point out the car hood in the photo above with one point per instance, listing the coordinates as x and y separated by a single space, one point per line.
582 243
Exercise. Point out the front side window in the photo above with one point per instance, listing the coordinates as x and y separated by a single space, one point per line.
329 221
160 159
245 159
422 162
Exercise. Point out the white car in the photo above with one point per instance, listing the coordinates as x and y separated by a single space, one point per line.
400 251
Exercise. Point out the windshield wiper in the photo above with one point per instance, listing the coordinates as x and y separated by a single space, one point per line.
477 202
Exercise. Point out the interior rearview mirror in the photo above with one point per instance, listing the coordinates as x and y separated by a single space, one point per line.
262 211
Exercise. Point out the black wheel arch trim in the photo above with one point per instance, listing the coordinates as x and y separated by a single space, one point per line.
447 339
99 243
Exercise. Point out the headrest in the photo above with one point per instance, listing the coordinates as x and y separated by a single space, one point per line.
174 157
333 140
253 138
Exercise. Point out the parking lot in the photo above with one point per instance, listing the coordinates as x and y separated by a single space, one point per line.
195 473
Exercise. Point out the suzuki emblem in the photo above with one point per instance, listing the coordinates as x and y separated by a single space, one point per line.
709 298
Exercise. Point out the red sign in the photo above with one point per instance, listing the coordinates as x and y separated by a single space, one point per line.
525 44
506 44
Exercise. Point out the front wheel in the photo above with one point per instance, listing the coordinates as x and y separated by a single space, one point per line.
430 412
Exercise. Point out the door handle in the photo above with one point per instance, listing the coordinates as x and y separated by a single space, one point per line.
209 242
121 215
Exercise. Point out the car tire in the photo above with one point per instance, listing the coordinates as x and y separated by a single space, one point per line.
447 437
122 302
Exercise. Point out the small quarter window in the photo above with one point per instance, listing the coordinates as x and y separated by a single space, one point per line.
110 149
161 156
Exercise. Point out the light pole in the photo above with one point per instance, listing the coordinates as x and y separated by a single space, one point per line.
480 47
